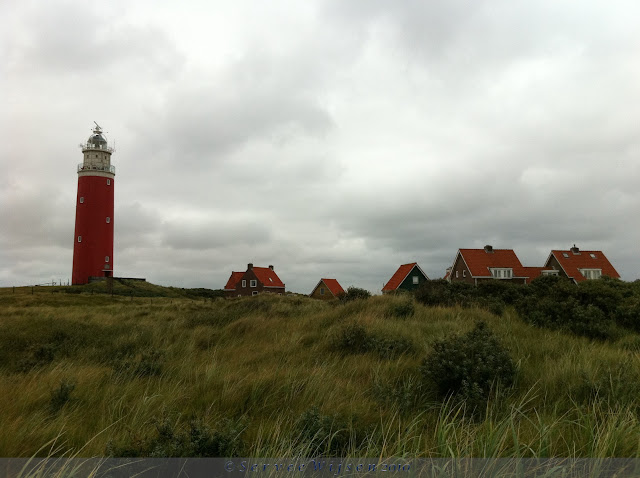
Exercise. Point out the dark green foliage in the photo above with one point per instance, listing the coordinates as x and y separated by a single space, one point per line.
326 434
469 367
503 291
197 439
61 396
354 293
627 314
355 339
589 309
403 308
442 293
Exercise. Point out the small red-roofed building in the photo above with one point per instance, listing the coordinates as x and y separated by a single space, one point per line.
408 277
474 265
256 280
580 265
327 289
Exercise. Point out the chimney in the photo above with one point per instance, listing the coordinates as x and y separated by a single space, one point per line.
575 250
249 266
271 267
488 249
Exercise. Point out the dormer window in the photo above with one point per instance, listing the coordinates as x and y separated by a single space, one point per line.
501 272
591 273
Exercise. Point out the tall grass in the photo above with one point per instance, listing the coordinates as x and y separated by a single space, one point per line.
266 376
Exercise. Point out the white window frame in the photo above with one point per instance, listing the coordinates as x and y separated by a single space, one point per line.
591 273
464 273
456 274
79 238
81 199
416 280
108 220
108 182
244 283
106 258
253 283
255 292
550 273
501 273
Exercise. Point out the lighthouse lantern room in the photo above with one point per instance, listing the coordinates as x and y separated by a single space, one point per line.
93 240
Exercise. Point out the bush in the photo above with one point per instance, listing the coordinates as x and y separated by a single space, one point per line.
355 339
197 439
325 434
469 367
589 321
401 308
354 293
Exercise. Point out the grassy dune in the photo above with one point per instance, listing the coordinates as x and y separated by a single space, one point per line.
166 374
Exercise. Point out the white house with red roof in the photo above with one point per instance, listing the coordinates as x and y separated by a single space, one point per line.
580 265
408 277
474 265
327 289
254 281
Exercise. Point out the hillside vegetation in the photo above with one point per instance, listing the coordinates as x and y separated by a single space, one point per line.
152 371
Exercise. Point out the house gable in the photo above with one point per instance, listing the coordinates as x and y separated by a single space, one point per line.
327 289
577 265
404 278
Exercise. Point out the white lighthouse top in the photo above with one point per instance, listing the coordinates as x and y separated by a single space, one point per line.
97 141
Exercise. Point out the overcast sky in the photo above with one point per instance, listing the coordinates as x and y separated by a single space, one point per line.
336 138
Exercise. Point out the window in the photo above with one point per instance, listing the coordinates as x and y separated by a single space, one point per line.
501 273
456 274
255 292
415 279
591 273
81 200
593 256
244 283
106 258
108 182
79 238
321 290
253 283
565 254
108 220
550 273
464 273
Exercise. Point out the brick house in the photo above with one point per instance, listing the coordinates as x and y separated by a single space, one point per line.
580 265
474 265
408 277
254 281
327 289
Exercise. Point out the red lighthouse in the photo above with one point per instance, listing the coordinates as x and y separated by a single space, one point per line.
93 240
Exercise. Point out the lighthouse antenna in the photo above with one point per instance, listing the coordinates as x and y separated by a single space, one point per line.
98 128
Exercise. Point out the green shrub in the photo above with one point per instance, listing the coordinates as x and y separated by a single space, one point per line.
354 293
325 434
590 321
196 439
401 309
469 366
355 339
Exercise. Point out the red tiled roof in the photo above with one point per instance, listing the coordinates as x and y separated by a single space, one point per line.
267 277
233 280
534 272
334 286
479 261
584 260
400 275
